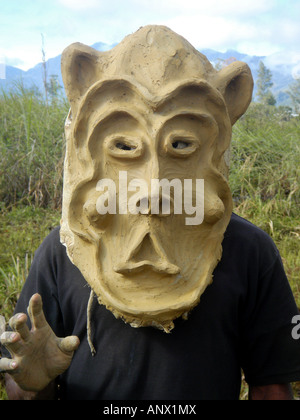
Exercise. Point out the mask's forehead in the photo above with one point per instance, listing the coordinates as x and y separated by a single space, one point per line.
156 57
113 95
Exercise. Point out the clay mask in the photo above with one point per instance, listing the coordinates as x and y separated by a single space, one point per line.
146 199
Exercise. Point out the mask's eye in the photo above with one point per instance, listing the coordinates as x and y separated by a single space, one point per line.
180 144
124 147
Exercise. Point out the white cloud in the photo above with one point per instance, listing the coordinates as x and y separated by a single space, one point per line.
253 26
79 4
23 57
257 27
228 8
289 30
165 9
287 62
296 72
212 31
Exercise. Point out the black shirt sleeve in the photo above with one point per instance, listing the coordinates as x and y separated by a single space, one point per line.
269 353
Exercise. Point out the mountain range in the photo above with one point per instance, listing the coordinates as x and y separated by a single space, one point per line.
281 67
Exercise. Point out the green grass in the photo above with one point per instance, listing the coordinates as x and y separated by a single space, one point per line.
31 148
264 179
21 231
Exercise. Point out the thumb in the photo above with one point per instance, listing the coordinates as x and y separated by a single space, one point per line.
68 344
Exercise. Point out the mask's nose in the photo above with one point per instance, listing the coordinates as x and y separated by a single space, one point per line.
157 197
155 202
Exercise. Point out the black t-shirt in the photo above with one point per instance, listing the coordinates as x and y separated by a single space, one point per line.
243 321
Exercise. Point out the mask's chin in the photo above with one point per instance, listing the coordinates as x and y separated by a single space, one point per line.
140 306
148 294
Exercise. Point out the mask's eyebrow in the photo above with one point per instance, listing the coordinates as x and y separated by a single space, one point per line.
187 115
105 99
116 115
187 95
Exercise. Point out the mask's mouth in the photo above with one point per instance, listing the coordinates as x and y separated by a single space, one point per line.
146 253
163 267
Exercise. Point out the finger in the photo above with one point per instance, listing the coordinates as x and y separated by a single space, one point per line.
18 324
35 311
8 365
69 344
12 341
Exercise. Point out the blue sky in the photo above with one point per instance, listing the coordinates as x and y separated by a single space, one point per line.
260 27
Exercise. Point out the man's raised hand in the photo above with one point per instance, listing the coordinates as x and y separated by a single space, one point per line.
38 356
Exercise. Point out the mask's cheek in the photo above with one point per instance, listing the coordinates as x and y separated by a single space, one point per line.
98 208
84 217
213 207
217 197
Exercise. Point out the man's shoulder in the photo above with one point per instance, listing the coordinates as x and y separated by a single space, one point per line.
243 229
245 237
51 244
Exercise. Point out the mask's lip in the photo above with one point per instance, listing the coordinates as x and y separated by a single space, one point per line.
162 267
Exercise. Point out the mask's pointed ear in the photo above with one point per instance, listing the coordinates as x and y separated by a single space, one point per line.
79 71
235 82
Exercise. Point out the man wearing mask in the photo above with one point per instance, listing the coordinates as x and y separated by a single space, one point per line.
158 290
